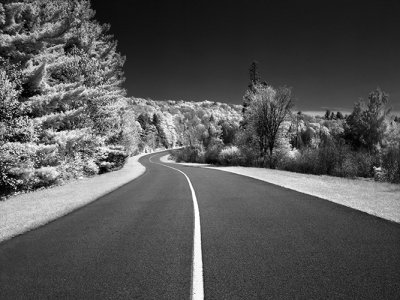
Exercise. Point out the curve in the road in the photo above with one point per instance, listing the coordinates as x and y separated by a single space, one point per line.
259 241
197 290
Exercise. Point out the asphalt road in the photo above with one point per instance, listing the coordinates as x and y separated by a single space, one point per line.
259 241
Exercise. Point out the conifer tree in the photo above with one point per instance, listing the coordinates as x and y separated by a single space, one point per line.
69 92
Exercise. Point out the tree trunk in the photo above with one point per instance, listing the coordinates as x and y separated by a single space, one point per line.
271 164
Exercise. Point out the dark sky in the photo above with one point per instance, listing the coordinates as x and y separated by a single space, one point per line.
330 52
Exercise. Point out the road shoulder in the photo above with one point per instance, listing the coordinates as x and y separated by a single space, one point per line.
24 212
376 198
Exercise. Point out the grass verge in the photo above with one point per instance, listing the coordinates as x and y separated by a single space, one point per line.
376 198
25 212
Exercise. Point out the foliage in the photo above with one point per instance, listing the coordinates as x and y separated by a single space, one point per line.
211 155
111 160
16 166
60 94
302 143
196 124
228 131
266 112
331 160
230 155
64 114
366 124
391 165
193 154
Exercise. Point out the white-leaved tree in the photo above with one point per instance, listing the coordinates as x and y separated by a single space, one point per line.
267 110
70 89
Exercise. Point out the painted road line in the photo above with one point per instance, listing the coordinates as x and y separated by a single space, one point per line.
197 289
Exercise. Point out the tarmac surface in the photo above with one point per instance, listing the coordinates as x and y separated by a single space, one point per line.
259 241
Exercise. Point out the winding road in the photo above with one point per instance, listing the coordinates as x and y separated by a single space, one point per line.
248 240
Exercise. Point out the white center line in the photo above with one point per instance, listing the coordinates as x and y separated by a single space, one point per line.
197 290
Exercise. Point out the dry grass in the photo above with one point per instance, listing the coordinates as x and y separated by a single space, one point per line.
24 212
376 198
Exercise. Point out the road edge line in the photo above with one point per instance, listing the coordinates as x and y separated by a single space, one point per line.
197 284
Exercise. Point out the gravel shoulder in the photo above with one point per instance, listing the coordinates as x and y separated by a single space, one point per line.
24 212
375 198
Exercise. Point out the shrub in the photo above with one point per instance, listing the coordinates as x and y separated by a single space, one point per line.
17 178
193 154
45 176
111 159
327 159
71 167
230 156
90 168
212 153
248 147
306 162
359 164
74 141
47 155
391 164
16 166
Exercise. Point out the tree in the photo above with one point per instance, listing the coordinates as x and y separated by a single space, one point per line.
255 83
15 126
327 114
68 94
253 73
266 113
339 116
228 131
161 137
366 124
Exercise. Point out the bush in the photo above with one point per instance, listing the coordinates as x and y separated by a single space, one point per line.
391 164
47 155
305 162
27 166
44 177
230 156
16 166
90 168
193 154
111 159
358 164
248 147
333 160
71 167
212 153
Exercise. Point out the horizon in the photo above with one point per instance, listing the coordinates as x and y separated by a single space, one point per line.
313 113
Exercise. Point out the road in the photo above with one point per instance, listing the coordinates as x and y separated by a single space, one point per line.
259 241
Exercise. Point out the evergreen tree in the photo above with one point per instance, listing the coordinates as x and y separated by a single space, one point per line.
254 74
327 114
339 116
68 93
366 124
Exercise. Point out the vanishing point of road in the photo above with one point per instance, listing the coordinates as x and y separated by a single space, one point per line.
254 240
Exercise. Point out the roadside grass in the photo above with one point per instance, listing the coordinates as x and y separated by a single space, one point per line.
376 198
24 212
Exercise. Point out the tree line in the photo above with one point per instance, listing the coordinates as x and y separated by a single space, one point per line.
64 113
365 143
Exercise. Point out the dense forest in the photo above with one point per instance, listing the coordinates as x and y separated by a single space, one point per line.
65 115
